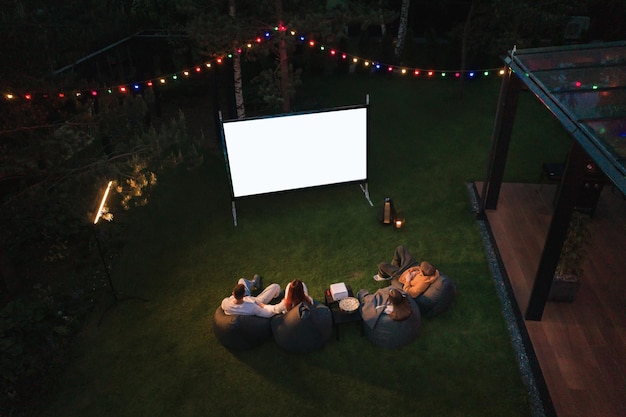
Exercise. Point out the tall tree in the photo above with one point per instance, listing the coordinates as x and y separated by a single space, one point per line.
402 29
238 81
464 46
283 60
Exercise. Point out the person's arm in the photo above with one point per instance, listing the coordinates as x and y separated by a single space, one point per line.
413 291
420 284
263 310
306 293
407 278
280 307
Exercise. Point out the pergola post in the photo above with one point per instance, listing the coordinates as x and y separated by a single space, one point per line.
566 200
500 139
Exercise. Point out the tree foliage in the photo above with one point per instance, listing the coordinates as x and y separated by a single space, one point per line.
217 31
496 26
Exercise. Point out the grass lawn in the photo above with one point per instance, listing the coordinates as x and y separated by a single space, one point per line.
160 358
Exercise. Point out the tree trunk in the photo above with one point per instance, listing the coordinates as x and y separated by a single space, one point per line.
402 29
241 110
383 26
466 30
283 60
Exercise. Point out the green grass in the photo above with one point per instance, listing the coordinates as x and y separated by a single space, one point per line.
160 358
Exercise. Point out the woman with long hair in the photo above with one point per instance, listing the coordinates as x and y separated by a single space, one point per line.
398 308
389 301
295 293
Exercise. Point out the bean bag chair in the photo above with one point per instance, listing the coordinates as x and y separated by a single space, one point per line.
438 297
304 328
391 334
239 332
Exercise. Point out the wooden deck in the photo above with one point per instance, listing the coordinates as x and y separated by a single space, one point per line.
580 346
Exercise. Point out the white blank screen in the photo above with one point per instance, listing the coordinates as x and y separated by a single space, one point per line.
296 151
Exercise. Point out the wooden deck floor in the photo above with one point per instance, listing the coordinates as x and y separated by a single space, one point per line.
580 346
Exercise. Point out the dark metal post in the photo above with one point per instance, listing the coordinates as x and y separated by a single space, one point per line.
566 201
500 139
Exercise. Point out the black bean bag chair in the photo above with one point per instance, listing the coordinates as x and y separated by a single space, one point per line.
391 334
239 332
438 297
304 328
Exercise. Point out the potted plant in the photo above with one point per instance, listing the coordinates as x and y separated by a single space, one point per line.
569 270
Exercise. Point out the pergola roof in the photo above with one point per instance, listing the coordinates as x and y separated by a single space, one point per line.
584 86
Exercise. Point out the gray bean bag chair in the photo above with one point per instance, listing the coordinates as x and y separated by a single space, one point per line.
438 297
238 332
304 328
391 334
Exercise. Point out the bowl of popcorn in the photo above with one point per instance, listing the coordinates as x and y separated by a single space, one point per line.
349 304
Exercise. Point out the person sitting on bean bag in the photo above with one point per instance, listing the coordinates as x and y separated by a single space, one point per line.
242 321
391 318
432 291
389 301
295 293
241 302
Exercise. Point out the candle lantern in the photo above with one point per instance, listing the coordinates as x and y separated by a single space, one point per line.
387 214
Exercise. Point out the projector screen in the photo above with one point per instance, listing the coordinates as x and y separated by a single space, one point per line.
294 151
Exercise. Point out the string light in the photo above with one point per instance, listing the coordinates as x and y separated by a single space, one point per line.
267 35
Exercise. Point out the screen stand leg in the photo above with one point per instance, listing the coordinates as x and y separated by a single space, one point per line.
234 213
367 193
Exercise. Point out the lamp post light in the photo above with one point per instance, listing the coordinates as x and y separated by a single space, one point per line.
103 213
99 214
105 195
